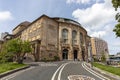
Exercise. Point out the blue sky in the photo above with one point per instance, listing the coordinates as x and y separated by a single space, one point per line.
96 16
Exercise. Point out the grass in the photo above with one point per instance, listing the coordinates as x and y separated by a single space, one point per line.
107 68
10 66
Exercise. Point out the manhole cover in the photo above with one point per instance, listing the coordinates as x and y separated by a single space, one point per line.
79 77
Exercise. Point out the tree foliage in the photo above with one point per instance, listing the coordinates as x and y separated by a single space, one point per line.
117 29
116 5
4 55
17 48
103 58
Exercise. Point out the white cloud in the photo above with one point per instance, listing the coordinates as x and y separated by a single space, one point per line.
78 1
116 44
98 34
5 15
81 1
106 31
96 17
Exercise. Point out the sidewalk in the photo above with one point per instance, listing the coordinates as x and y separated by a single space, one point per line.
12 71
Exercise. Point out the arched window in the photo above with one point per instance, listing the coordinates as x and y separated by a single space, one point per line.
74 36
81 38
65 35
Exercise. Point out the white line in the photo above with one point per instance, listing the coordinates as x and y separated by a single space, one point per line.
59 76
53 77
92 72
97 73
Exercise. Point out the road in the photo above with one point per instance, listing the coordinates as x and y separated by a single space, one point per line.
55 71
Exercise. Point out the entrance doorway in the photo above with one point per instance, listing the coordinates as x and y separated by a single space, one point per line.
75 54
65 54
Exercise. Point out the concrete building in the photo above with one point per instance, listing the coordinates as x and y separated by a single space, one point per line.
56 36
99 48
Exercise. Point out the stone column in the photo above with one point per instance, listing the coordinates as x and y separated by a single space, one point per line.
70 43
60 42
79 55
70 55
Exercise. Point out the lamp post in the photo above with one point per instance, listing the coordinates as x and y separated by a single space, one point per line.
90 54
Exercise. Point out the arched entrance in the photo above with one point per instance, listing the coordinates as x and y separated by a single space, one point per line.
65 54
75 54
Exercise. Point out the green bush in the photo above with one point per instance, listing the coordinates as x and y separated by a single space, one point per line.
56 58
6 58
44 59
95 59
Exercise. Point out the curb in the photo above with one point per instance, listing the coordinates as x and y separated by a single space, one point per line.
108 74
13 71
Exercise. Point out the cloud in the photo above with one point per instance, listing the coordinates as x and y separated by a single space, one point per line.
98 34
5 15
96 17
81 1
78 1
116 44
101 33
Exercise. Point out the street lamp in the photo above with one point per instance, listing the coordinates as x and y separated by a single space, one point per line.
90 54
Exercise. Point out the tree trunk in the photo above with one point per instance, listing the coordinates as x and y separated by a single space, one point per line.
20 60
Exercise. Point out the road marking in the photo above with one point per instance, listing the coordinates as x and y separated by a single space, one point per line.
53 77
80 77
97 73
59 76
94 73
91 72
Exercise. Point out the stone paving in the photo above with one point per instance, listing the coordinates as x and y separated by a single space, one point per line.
79 77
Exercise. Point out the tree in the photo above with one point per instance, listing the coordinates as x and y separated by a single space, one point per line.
103 58
116 5
117 30
4 55
26 47
18 48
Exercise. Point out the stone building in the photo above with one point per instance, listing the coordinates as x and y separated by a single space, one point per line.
56 36
99 48
3 35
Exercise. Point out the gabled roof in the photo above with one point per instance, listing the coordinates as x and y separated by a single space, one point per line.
25 23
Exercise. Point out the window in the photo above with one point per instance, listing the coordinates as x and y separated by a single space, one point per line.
74 37
81 38
65 35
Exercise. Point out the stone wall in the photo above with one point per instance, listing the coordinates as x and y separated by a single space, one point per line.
49 39
47 32
70 46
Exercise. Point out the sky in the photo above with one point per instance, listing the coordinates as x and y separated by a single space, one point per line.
96 16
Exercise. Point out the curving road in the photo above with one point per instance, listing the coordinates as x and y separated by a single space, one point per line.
55 71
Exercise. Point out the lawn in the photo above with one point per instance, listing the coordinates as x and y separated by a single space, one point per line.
9 66
107 68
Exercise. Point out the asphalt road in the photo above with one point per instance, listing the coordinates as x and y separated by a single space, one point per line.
55 71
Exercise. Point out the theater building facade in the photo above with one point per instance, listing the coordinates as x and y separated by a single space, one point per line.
52 37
